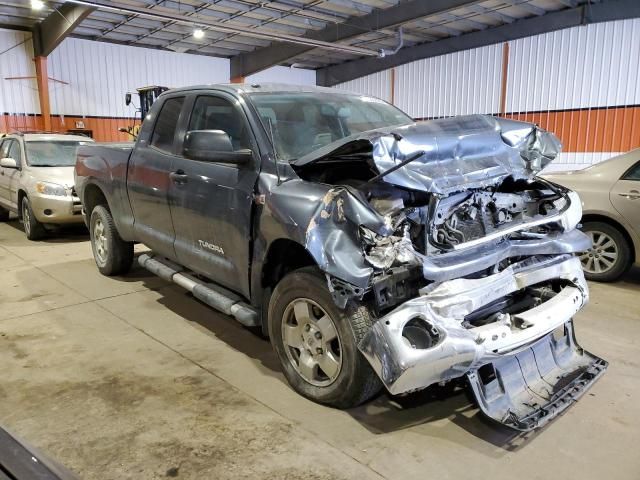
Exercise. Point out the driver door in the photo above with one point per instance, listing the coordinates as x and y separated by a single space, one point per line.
9 177
211 202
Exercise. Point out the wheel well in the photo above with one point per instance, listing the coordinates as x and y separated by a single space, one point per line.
617 225
21 195
93 197
284 256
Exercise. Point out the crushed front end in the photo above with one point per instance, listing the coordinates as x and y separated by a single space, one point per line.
469 261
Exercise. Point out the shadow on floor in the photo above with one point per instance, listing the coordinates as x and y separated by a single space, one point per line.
60 234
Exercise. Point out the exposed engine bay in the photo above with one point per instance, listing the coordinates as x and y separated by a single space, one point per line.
465 255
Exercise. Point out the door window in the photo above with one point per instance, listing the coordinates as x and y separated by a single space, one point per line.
633 173
166 124
215 113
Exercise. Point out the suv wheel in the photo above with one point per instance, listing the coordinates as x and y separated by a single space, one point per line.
113 255
609 256
32 227
317 343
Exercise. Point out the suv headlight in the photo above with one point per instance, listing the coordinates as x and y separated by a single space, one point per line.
47 188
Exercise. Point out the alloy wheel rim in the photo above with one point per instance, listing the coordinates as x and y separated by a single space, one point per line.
603 254
311 342
26 219
100 241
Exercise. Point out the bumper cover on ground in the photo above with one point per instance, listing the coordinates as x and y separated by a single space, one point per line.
529 388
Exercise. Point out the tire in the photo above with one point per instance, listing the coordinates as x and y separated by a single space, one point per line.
33 229
113 255
353 381
4 214
611 262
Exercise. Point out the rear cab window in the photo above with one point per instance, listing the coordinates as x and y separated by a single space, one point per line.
164 130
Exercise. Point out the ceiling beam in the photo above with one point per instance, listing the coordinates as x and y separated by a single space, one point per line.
50 32
253 62
595 13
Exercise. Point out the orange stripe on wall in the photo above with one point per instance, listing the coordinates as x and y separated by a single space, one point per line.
103 129
597 130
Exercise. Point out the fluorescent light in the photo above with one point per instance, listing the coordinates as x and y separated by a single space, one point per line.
198 33
37 4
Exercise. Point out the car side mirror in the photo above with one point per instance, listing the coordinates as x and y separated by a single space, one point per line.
213 146
8 163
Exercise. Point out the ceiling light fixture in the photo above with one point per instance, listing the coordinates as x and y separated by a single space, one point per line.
198 33
37 4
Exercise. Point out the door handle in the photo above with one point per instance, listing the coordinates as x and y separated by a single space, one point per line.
179 177
631 195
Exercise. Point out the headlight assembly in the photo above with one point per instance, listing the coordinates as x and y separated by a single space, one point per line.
47 188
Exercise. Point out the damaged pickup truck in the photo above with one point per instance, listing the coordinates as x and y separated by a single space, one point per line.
374 251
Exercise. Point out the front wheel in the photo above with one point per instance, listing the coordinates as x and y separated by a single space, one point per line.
113 255
610 254
317 343
33 229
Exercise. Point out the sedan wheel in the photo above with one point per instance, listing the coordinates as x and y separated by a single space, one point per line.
602 255
610 254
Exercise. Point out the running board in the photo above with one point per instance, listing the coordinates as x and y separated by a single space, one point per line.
213 295
527 389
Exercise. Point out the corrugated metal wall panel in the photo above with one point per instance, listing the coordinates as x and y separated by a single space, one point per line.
296 76
582 67
376 85
99 75
454 84
19 95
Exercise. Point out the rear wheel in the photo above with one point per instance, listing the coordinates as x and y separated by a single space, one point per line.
610 254
317 343
32 227
4 214
113 255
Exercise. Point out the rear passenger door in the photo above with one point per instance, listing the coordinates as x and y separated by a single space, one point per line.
211 202
148 179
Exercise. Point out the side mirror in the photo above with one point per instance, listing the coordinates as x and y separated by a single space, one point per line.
213 146
8 163
127 99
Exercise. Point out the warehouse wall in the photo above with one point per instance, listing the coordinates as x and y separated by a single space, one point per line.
581 83
88 81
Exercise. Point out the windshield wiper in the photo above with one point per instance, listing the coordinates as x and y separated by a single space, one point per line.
413 157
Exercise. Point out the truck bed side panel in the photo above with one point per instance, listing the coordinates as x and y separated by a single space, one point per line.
105 166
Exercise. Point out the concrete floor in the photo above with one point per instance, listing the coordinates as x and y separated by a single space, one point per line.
131 378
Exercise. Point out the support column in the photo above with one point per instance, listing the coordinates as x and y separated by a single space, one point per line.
42 79
503 85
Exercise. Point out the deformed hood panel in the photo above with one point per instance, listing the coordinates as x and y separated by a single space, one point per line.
464 152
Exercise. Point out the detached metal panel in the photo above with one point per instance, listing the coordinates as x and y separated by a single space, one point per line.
18 89
99 74
295 76
455 84
376 85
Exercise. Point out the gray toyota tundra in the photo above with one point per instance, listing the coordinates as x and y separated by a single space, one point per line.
372 250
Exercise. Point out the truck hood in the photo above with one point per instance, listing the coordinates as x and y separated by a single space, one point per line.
459 153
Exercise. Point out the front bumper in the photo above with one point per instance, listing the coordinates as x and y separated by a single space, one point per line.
459 350
55 209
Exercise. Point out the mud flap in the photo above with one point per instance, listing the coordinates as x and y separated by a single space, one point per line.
527 389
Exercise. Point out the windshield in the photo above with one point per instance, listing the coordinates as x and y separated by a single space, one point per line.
52 154
300 123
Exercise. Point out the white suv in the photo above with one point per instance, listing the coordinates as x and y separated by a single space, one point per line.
36 180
